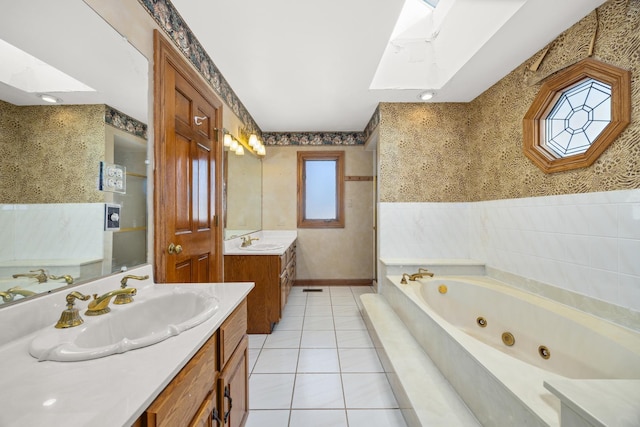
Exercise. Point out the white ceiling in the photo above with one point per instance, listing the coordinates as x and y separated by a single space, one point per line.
300 65
309 65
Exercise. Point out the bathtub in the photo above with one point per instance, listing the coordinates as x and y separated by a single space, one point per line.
497 345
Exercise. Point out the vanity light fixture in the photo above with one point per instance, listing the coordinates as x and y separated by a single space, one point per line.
240 150
227 140
49 98
253 140
234 145
426 95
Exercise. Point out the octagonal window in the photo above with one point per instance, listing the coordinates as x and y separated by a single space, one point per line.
577 114
577 118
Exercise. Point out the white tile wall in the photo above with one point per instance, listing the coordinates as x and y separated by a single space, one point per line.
585 243
52 231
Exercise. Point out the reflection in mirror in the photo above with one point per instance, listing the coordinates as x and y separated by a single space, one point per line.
243 188
52 215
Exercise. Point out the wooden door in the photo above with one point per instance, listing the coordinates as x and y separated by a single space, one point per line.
187 119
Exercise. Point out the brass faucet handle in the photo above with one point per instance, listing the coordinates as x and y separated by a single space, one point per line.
67 278
403 281
71 316
71 297
123 282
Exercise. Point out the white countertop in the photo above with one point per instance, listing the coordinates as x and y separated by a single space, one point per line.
283 238
110 391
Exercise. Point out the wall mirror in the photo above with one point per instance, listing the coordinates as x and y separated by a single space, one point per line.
52 215
577 114
243 194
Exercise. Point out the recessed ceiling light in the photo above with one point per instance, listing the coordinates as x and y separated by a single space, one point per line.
425 96
49 98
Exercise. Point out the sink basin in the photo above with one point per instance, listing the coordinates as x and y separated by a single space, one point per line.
258 247
126 327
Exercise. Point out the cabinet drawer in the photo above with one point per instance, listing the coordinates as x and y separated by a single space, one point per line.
232 331
203 417
184 395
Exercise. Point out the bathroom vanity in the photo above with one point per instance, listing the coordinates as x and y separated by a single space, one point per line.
196 377
270 263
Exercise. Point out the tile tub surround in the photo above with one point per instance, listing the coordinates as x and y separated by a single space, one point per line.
585 244
90 392
319 366
505 390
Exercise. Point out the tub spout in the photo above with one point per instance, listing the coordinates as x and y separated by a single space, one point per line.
38 274
413 277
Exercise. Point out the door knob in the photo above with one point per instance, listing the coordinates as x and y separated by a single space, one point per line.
174 249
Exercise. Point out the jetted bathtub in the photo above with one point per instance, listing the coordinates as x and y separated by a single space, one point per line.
497 345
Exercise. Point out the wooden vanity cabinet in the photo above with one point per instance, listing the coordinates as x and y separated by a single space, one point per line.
212 389
273 276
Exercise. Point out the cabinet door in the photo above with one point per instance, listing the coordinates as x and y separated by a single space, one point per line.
208 414
234 388
182 399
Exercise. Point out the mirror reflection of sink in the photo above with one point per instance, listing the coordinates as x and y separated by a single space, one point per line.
126 327
263 247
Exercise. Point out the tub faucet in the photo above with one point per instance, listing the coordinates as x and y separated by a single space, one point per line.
100 304
246 241
41 276
413 277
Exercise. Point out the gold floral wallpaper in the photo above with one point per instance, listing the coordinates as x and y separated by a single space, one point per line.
51 154
470 152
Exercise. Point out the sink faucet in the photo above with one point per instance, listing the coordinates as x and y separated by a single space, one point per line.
127 298
41 276
100 304
9 294
246 241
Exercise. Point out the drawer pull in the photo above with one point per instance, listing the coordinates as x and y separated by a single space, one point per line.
216 417
228 396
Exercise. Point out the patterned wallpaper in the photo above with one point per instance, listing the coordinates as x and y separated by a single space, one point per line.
50 154
472 152
313 138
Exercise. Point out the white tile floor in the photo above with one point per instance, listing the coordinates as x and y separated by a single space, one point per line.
319 368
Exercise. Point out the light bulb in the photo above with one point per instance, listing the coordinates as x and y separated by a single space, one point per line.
227 140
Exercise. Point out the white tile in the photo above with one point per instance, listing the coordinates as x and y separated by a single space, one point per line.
277 360
318 323
324 299
314 360
318 339
257 340
629 220
318 310
296 300
318 391
359 290
283 339
253 357
267 418
629 250
375 418
290 323
340 291
335 301
293 310
359 360
271 391
345 311
353 339
318 418
368 391
349 323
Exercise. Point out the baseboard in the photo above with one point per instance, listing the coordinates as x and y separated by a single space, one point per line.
333 282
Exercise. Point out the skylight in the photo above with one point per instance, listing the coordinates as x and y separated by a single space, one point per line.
432 3
29 74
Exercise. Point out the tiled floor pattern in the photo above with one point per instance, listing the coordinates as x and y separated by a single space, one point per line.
319 368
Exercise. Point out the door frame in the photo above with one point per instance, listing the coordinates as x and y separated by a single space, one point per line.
165 53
